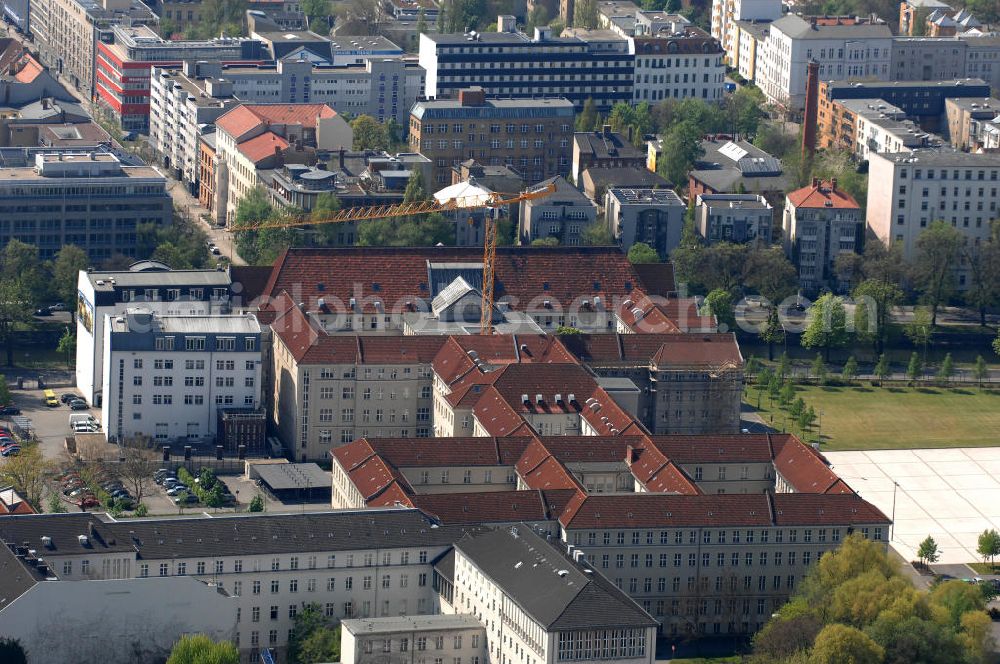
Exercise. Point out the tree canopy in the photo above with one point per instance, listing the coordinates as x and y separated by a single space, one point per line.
640 252
199 649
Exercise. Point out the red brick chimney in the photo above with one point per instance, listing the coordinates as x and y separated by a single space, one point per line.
833 184
472 97
812 107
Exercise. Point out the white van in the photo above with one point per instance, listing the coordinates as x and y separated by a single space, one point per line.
82 417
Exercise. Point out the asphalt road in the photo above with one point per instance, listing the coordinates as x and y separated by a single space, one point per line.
51 424
190 205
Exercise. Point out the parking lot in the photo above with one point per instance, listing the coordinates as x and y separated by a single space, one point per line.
952 494
51 425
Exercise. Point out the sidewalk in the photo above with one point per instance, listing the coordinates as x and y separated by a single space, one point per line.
190 205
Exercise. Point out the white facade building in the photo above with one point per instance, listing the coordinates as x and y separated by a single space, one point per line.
821 222
845 49
733 218
167 377
878 134
455 639
151 285
677 65
909 191
725 13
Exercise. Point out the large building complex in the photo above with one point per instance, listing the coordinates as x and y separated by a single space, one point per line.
125 62
513 65
529 136
167 378
90 199
910 190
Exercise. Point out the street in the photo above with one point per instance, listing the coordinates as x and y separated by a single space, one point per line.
190 206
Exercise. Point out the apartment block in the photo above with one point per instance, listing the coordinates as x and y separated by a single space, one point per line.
847 48
733 218
928 59
604 148
910 190
837 120
727 13
450 637
90 199
125 62
677 64
510 64
652 216
913 14
880 134
67 33
563 214
167 377
745 45
530 136
106 295
820 223
632 509
971 121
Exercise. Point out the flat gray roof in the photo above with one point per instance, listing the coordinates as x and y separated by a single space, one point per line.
284 476
155 279
392 625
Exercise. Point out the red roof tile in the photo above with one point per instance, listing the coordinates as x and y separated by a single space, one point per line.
30 69
407 453
804 468
550 474
261 147
395 276
680 349
660 510
823 195
715 448
803 509
463 354
246 117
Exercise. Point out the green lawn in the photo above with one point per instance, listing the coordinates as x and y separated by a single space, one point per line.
858 418
984 568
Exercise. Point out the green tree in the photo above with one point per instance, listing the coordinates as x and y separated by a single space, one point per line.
774 389
323 645
797 408
415 189
5 397
784 367
640 252
421 22
806 419
947 369
920 329
12 652
768 271
426 231
988 545
842 644
915 369
751 367
256 504
819 369
745 109
933 268
928 552
983 262
545 242
325 235
772 332
827 328
566 330
597 234
369 134
67 346
199 649
719 303
16 307
882 368
317 11
874 300
586 119
20 262
585 14
309 639
996 343
538 17
787 394
442 18
850 371
681 148
66 268
54 506
980 371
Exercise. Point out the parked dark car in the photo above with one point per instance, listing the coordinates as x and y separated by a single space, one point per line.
79 404
10 410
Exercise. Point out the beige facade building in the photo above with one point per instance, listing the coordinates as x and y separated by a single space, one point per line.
820 223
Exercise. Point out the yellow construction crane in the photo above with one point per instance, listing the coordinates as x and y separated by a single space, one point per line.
492 200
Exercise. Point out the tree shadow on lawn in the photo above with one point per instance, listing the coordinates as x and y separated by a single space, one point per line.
831 388
863 389
959 390
928 390
896 390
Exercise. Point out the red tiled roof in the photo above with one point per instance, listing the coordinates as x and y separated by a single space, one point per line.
823 195
494 506
680 349
658 277
246 117
394 276
659 510
30 69
461 354
804 509
804 468
405 453
261 147
657 315
716 448
551 474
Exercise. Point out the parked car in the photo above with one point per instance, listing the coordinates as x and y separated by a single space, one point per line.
44 311
13 450
69 396
79 404
58 306
170 482
215 251
177 490
88 501
186 499
10 410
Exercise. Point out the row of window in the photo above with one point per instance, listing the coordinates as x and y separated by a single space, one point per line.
294 563
762 536
706 559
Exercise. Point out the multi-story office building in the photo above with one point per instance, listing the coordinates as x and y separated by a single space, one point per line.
652 216
564 214
167 377
910 190
927 59
125 61
510 64
634 511
678 65
880 134
89 199
67 33
733 218
449 637
531 136
846 48
106 295
820 223
358 564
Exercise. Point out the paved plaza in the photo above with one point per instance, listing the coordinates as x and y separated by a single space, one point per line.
950 494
